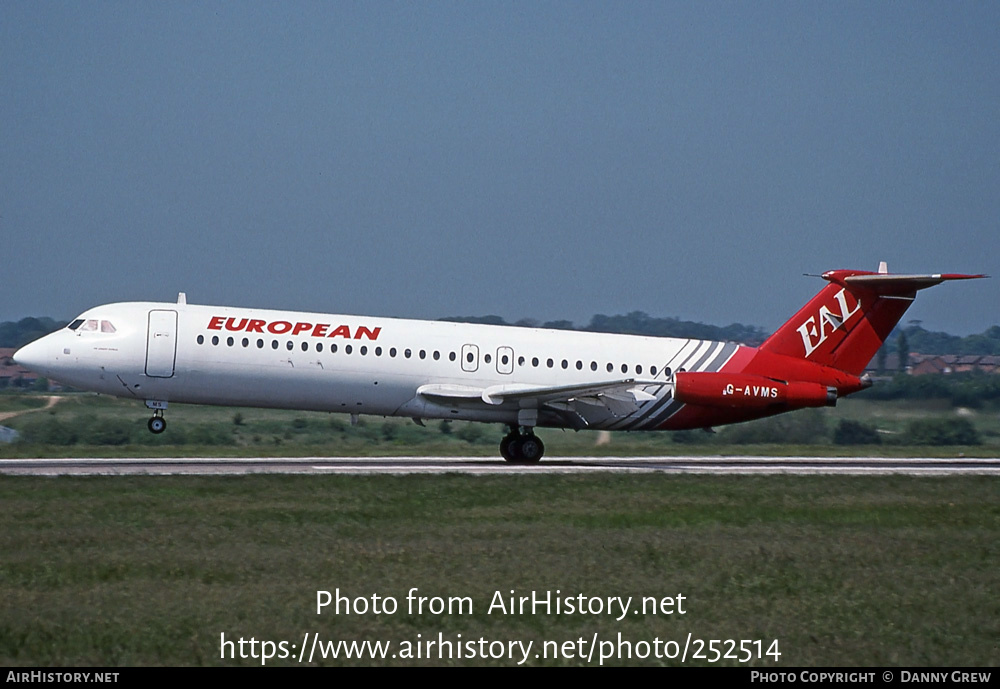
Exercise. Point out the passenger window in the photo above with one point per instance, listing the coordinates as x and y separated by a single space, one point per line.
201 339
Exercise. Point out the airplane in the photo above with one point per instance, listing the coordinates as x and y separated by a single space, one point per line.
520 377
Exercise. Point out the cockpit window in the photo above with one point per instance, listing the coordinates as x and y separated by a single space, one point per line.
92 325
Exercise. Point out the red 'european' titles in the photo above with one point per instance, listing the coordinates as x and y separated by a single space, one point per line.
255 325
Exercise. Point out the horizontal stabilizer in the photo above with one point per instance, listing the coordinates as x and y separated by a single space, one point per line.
901 284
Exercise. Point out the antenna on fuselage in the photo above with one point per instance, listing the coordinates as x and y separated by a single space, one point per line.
182 298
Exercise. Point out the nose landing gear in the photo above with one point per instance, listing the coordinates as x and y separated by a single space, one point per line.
157 424
521 448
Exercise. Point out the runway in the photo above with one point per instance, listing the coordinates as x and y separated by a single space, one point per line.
851 466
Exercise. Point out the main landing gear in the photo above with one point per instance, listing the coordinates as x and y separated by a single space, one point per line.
521 448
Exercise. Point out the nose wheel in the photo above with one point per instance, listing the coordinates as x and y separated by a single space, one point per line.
521 448
157 424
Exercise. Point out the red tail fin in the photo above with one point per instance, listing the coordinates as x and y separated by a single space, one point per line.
845 324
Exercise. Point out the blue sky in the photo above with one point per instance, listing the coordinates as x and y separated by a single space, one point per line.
548 160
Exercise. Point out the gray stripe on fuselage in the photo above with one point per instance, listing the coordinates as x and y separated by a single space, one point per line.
635 419
716 346
648 420
687 350
720 360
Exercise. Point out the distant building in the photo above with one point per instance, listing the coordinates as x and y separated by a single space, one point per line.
928 364
989 363
12 374
924 365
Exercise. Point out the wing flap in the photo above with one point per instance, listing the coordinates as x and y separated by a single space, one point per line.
450 392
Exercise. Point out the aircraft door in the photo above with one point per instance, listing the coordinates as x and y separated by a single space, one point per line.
161 343
470 358
505 360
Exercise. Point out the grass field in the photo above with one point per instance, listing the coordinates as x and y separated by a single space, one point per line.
153 570
840 571
90 425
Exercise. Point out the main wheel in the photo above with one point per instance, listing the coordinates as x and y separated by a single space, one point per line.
531 448
157 425
510 447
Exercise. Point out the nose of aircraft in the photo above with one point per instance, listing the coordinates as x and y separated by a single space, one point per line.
35 355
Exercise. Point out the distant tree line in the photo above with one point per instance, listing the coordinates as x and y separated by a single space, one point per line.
913 337
638 323
16 334
926 342
971 389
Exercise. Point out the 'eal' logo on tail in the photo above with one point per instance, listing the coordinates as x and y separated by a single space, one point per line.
819 327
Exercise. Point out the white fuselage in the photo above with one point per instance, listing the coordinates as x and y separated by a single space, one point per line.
366 365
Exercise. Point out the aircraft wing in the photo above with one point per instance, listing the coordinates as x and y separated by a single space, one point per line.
620 397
